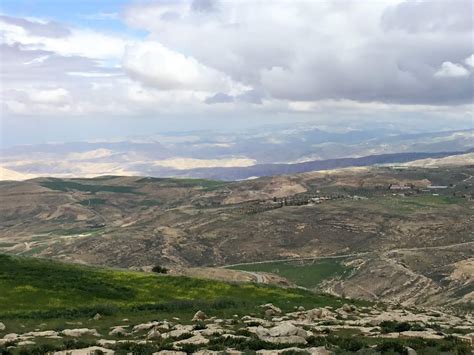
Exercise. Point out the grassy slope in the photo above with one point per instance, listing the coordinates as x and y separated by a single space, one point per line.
41 288
308 275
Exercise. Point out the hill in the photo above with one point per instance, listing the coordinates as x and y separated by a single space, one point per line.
48 306
403 233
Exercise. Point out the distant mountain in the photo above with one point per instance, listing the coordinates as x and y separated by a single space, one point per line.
261 170
232 155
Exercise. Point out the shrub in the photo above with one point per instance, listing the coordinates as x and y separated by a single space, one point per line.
391 346
159 269
393 326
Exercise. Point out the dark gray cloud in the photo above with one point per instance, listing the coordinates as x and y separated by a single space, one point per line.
310 51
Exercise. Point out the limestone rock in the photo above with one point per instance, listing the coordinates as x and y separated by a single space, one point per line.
145 326
118 331
85 351
97 316
153 334
80 332
194 340
200 315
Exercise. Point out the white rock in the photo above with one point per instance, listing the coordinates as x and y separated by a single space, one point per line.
180 330
85 351
11 336
153 334
292 339
2 326
45 333
195 340
145 326
200 315
118 331
26 342
269 306
80 332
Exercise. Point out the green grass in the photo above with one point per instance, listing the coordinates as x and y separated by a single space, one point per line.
186 182
62 185
42 288
306 274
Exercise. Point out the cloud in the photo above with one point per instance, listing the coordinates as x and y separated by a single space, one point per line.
219 98
165 69
451 70
387 51
470 61
51 36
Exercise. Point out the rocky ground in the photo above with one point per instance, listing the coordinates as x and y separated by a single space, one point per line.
372 329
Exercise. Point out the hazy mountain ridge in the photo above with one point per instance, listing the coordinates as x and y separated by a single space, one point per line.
230 156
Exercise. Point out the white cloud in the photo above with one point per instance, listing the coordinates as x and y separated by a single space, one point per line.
470 61
451 70
165 69
81 42
49 96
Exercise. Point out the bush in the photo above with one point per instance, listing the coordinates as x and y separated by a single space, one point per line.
391 346
159 269
394 327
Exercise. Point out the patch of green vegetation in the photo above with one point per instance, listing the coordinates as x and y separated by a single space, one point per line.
64 185
47 289
185 182
306 274
7 245
93 202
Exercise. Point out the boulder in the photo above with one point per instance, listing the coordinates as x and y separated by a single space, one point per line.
45 333
348 308
286 329
285 333
80 332
118 331
26 342
11 337
179 331
319 313
194 340
153 334
85 351
169 352
199 315
292 339
145 326
2 326
97 316
270 307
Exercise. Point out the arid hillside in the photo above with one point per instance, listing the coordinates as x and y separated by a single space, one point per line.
403 234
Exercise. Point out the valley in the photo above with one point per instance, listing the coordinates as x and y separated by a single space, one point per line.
399 234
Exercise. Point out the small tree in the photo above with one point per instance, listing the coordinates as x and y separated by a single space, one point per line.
159 269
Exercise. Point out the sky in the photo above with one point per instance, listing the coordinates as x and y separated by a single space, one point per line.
87 70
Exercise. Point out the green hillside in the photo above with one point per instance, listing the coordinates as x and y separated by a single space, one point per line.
32 287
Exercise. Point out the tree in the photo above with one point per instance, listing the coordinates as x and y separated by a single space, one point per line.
159 269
